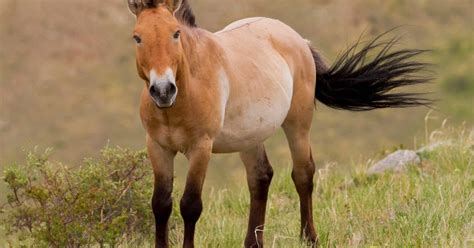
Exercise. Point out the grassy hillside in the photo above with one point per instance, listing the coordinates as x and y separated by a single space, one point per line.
68 80
428 205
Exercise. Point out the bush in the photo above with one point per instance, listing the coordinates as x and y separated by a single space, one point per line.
103 201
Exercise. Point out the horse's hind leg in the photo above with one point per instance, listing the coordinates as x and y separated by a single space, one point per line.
298 135
259 176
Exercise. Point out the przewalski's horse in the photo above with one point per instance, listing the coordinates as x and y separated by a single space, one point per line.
229 91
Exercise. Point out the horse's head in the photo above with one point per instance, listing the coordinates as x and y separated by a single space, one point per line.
158 47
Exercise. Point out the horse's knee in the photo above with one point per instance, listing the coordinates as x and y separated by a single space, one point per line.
191 207
162 205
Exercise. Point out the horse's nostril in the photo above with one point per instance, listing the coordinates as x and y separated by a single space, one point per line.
153 90
172 89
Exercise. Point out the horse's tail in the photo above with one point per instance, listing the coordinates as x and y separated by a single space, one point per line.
355 84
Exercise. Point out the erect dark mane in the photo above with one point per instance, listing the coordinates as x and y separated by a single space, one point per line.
185 14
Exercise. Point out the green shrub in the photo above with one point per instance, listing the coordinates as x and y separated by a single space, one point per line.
103 201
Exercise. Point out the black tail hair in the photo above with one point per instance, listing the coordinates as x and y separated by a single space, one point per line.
354 84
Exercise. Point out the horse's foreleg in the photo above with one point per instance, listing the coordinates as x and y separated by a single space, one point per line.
302 175
162 161
259 177
191 203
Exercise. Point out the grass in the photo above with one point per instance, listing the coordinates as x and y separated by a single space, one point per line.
427 205
430 205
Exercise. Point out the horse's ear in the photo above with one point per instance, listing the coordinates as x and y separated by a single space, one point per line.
136 6
173 5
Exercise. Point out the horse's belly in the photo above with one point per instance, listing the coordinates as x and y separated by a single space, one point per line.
251 129
254 114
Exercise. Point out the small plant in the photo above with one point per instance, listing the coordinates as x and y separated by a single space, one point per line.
103 201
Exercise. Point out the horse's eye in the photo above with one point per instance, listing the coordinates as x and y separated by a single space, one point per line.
176 35
137 39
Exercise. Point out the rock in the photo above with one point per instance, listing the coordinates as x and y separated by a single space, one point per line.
396 161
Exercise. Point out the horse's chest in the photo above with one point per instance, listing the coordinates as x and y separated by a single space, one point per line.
175 138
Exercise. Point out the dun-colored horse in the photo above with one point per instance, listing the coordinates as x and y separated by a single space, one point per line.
229 91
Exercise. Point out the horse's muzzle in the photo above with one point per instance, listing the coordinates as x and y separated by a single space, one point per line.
163 94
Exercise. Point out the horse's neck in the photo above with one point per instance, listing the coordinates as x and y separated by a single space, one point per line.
200 48
202 55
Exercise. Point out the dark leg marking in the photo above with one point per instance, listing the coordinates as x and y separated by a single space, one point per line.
259 177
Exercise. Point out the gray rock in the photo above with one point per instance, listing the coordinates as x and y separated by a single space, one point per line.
396 161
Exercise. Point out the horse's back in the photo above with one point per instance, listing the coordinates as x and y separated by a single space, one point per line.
264 57
240 23
256 32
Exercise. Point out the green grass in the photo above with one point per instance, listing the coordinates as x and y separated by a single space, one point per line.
430 205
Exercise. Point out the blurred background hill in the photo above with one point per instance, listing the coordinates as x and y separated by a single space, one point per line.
68 79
